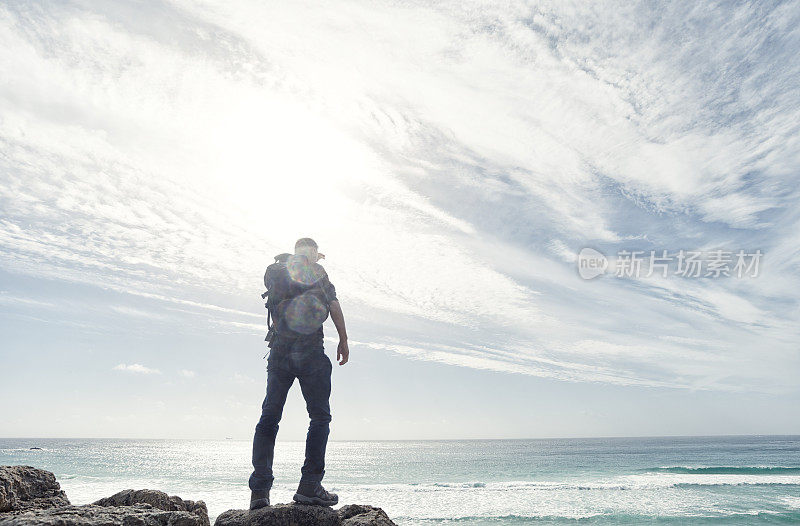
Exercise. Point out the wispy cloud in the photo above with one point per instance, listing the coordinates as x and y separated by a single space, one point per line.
451 177
136 369
242 379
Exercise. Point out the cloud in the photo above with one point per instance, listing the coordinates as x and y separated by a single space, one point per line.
242 379
10 299
186 373
450 177
136 368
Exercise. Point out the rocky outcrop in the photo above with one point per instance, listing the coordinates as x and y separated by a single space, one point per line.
33 497
363 515
158 500
23 487
91 515
303 515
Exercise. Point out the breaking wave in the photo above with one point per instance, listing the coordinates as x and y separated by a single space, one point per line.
727 470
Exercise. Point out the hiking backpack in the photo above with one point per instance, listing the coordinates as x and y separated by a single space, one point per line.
304 298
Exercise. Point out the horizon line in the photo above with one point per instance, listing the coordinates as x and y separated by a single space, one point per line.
600 437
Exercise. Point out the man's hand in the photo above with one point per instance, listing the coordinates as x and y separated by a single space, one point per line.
343 352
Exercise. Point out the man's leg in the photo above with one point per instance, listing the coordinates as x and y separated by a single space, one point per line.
316 387
278 383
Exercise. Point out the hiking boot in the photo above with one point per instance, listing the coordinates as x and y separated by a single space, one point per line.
259 499
315 494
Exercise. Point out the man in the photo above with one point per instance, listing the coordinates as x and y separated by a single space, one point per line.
299 298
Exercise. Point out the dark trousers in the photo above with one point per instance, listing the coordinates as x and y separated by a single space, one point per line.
312 367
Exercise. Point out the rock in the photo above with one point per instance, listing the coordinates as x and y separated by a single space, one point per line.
304 515
363 515
158 500
280 515
91 515
24 487
33 497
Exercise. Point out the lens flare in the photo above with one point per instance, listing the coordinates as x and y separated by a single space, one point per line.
303 272
305 313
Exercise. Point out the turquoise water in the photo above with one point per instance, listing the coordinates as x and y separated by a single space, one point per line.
713 480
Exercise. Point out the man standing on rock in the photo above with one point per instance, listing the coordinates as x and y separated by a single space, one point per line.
299 298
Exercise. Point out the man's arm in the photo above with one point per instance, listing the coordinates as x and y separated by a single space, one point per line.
343 351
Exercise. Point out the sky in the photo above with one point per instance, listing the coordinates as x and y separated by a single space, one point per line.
451 159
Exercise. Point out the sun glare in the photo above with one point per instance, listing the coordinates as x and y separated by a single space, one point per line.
278 163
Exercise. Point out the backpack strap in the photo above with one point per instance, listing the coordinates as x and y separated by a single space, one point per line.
271 330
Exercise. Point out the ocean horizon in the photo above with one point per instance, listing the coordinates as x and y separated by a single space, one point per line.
739 479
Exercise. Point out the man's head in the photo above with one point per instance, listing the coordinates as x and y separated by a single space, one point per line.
307 247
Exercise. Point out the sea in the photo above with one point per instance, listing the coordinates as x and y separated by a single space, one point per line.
671 480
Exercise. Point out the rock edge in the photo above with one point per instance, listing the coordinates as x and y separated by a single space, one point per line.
301 514
33 497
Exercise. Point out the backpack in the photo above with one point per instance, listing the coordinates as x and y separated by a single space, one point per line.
297 303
